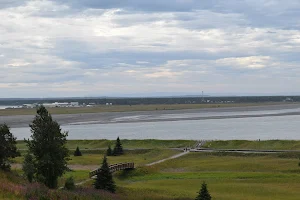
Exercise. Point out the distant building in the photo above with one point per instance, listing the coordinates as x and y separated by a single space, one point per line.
74 104
61 104
288 99
30 105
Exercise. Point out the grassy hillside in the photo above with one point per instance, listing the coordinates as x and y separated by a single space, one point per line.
10 186
230 176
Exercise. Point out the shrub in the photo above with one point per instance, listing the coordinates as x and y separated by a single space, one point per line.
69 184
28 167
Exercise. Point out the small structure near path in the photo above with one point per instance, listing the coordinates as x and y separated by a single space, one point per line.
114 168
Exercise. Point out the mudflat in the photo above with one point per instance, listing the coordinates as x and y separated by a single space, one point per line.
16 121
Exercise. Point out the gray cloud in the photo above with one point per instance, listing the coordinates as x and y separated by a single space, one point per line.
96 48
11 3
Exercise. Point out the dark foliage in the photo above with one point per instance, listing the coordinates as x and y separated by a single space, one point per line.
69 184
77 152
104 180
28 167
118 150
8 147
48 147
203 194
109 151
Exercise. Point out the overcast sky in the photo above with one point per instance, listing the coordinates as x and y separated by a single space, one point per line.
56 48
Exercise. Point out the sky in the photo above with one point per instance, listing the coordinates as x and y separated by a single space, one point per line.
65 48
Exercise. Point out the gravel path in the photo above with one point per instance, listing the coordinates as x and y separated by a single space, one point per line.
172 157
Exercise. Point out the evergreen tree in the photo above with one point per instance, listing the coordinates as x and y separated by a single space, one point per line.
203 193
109 151
8 147
48 147
77 152
118 150
28 167
104 180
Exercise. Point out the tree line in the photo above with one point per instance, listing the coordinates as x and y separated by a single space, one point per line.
156 100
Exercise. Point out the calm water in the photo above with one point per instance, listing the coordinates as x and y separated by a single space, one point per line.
283 127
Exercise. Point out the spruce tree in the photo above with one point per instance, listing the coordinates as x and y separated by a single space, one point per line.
77 152
48 147
8 148
118 150
28 167
104 180
109 151
203 193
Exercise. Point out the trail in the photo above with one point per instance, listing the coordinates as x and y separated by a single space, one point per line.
244 151
172 157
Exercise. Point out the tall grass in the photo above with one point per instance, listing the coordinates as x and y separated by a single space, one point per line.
259 145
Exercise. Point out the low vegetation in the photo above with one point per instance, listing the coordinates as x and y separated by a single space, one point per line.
229 177
127 144
14 187
256 145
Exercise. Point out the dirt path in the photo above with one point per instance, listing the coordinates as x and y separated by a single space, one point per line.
172 157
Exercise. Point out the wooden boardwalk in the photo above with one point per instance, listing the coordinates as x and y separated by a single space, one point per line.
114 168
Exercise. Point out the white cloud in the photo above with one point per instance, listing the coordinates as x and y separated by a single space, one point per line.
47 45
252 62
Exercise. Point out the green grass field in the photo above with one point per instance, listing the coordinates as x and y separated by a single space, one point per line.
127 144
229 176
127 108
139 157
259 145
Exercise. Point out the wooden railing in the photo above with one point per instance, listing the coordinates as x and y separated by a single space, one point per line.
113 168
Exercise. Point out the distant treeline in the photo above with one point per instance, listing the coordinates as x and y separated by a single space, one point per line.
163 100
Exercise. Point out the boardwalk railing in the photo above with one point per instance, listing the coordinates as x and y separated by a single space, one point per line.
113 168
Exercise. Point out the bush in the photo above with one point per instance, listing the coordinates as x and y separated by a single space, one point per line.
28 167
69 184
37 191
